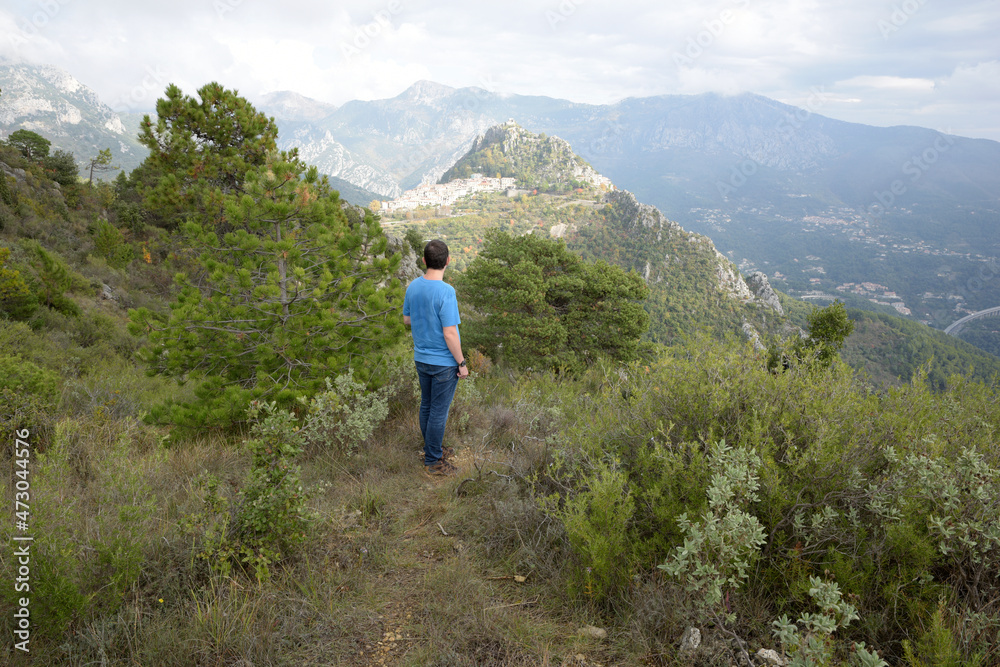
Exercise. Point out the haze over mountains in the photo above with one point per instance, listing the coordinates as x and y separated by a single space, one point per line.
903 216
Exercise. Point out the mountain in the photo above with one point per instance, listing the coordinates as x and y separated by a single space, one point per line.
49 101
290 107
534 160
558 194
816 203
900 218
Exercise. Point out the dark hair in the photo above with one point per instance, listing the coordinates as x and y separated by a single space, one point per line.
436 254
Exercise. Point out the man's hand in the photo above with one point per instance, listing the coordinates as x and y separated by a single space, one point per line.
454 344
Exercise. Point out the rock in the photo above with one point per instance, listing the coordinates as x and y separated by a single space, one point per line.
768 656
591 631
409 268
13 172
762 291
107 293
690 640
730 281
753 336
627 208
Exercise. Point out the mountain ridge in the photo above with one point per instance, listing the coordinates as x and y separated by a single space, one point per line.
53 103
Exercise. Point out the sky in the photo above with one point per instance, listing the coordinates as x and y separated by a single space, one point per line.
932 63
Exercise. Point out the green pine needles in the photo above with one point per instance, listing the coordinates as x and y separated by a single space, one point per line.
538 305
289 293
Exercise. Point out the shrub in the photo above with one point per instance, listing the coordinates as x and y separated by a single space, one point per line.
897 531
16 299
957 505
54 278
129 215
7 195
19 375
809 644
111 244
596 519
345 415
269 516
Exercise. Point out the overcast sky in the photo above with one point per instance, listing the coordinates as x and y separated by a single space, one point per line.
934 63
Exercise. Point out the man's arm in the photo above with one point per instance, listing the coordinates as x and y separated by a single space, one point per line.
454 344
406 320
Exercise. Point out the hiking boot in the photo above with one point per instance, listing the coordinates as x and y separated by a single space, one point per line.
441 469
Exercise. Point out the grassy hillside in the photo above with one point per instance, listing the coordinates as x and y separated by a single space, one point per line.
984 334
891 350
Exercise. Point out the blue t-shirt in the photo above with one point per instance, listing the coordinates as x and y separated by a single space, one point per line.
432 306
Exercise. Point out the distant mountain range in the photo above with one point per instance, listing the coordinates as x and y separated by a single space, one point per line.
817 204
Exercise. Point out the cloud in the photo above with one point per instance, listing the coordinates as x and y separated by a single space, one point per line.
896 84
939 59
973 83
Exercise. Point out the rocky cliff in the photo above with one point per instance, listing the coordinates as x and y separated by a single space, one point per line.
49 101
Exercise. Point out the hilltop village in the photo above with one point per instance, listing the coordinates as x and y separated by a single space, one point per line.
445 194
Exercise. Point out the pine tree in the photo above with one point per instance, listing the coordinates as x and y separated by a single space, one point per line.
537 304
828 329
199 151
290 293
62 167
31 144
100 164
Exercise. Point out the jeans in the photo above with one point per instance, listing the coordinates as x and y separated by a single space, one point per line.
437 388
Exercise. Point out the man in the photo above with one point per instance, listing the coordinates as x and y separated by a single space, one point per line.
431 310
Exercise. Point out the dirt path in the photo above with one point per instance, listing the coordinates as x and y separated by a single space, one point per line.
435 600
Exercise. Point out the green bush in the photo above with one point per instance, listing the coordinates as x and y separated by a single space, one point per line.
7 195
18 375
53 278
808 643
345 415
596 519
719 548
892 494
111 244
16 298
269 516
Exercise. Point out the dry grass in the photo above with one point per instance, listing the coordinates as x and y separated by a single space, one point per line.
399 569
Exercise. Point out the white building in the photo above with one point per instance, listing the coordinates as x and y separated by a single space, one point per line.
445 194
